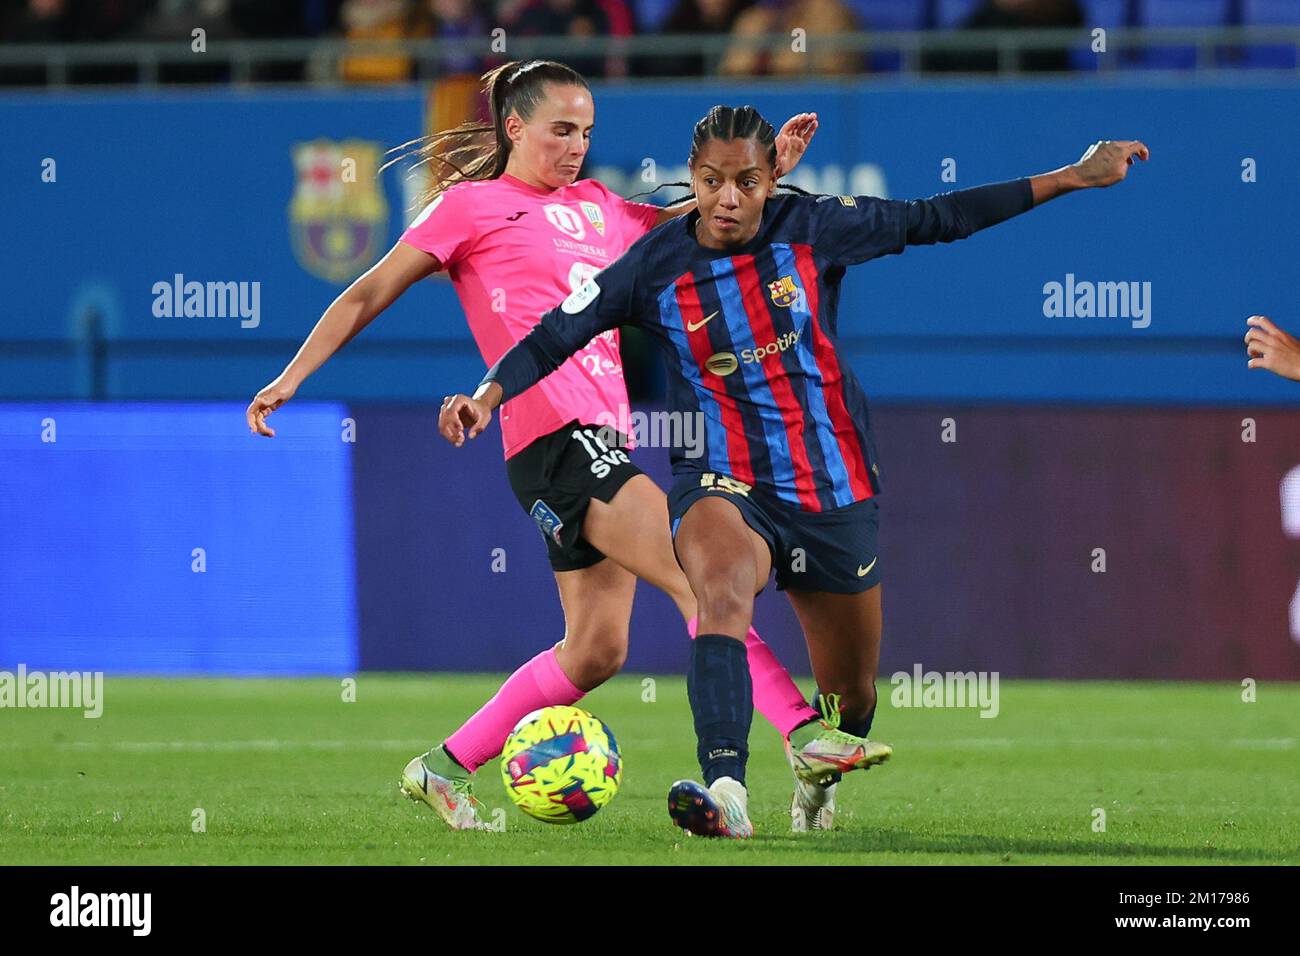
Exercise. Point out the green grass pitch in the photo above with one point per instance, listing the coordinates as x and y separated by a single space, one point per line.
286 772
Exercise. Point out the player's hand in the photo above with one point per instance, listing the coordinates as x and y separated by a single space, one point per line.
1271 348
462 415
264 403
1107 162
792 142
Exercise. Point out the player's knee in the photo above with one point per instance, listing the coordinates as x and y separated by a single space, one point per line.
597 657
727 603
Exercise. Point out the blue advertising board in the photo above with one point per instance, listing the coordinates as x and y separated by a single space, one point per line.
152 191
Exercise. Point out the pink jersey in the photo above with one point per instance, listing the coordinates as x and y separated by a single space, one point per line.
515 251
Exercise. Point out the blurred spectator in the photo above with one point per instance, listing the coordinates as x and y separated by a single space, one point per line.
377 20
73 21
573 18
285 18
456 20
66 21
1011 15
454 97
320 17
507 11
561 18
39 21
693 16
174 22
175 19
818 18
622 23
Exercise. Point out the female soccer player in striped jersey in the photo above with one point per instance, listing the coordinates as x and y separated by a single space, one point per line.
517 234
742 296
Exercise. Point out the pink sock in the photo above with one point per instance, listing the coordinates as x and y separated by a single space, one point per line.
539 683
776 696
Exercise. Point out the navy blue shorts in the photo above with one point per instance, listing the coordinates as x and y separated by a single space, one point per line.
831 551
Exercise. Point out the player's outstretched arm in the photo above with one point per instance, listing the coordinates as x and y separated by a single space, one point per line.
347 315
963 212
791 143
1103 164
1271 348
605 301
463 414
527 362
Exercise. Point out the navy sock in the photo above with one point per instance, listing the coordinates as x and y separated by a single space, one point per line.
722 701
858 728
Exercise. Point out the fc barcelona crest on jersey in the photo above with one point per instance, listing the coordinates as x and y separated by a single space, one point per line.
338 216
783 291
594 216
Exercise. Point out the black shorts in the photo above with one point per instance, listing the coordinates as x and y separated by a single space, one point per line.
811 550
555 479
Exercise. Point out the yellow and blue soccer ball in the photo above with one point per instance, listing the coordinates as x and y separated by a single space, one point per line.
561 765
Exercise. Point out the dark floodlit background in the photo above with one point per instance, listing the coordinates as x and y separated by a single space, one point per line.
143 530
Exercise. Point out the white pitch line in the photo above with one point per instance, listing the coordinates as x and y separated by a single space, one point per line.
1130 743
949 743
193 746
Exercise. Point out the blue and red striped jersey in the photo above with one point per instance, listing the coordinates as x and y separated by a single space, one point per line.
750 333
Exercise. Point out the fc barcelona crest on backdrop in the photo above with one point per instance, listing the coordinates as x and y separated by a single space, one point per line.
783 290
338 217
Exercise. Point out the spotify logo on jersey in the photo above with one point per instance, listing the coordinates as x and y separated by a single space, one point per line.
771 348
721 363
724 363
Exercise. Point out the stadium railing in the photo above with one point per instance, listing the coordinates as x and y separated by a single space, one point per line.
1215 49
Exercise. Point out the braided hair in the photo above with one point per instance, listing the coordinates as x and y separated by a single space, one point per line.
726 123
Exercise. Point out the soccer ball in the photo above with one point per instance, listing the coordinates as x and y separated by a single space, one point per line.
561 765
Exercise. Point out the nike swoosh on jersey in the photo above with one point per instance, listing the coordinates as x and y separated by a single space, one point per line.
863 572
692 326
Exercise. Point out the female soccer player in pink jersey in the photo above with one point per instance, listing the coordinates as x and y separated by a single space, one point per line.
517 234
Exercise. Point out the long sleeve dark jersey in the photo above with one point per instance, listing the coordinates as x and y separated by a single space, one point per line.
750 333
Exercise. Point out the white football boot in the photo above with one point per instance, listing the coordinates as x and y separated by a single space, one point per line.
721 810
833 750
452 798
812 807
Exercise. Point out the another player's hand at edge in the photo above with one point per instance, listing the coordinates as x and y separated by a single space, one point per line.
264 403
1271 348
463 416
